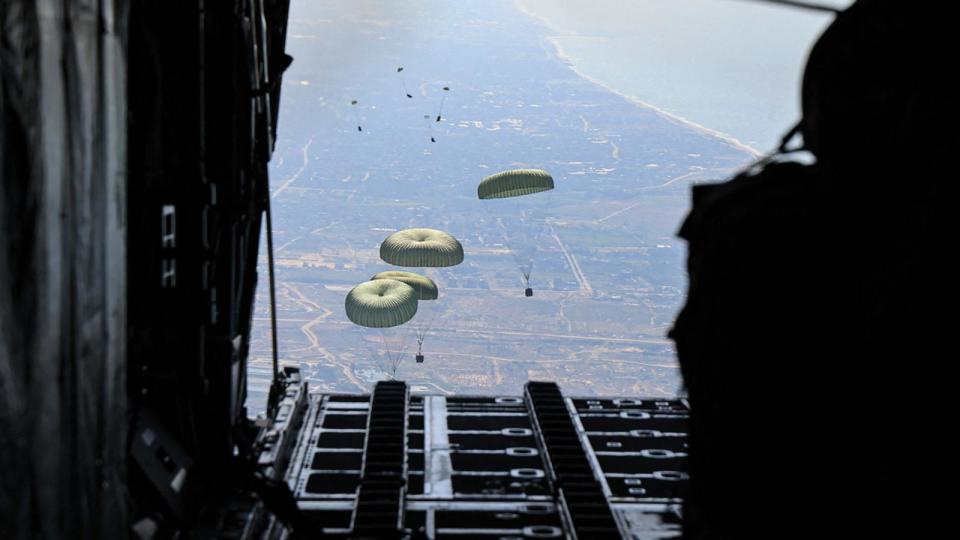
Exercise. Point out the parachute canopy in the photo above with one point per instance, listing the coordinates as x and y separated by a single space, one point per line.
421 248
514 184
381 303
425 287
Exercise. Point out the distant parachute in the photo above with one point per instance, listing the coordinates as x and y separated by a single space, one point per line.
381 303
514 183
403 81
442 99
517 218
353 114
417 248
425 287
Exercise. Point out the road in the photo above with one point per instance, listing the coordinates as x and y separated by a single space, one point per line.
585 287
306 161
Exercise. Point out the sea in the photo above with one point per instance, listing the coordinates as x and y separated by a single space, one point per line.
732 67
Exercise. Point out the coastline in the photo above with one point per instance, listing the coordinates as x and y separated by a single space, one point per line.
675 119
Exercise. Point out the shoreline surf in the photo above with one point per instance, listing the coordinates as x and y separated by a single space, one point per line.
560 54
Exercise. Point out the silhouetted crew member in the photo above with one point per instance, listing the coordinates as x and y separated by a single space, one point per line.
810 344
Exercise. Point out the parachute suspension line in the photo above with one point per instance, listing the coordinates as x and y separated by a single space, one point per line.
432 318
394 357
442 100
420 329
524 265
537 239
431 129
354 116
423 330
401 351
541 208
528 271
273 304
403 81
535 212
386 351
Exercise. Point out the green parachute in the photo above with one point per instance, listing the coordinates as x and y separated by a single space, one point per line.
418 248
381 303
514 183
425 287
518 220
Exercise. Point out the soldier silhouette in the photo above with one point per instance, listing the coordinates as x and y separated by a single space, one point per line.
810 344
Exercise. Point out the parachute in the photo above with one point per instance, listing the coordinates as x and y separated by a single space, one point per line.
421 248
353 114
514 183
518 219
426 290
425 287
381 303
403 81
442 99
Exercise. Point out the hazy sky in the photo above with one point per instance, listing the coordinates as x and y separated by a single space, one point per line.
731 65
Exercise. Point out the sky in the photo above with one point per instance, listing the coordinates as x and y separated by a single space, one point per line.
733 66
